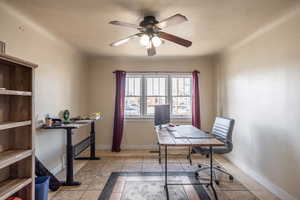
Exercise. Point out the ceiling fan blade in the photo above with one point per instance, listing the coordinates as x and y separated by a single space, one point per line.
124 40
125 24
175 39
176 19
151 49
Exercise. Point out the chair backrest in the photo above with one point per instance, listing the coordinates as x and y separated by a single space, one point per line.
222 129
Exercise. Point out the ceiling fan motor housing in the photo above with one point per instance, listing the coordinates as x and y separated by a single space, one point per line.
148 22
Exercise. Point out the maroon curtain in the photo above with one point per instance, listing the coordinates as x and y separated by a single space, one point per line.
119 110
195 101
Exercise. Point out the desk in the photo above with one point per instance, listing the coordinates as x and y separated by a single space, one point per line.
166 139
74 150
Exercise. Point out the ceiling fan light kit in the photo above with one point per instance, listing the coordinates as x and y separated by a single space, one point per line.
150 32
156 41
144 41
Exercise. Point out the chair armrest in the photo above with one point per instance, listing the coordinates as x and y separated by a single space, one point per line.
224 140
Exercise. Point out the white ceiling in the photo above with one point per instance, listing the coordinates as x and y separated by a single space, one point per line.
212 26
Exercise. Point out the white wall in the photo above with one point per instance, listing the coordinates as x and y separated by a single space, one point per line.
261 90
60 77
139 134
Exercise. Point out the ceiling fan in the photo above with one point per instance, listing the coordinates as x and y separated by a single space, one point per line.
150 33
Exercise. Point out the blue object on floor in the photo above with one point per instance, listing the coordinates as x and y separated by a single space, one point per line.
41 187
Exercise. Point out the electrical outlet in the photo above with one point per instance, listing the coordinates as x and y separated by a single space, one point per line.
2 47
64 160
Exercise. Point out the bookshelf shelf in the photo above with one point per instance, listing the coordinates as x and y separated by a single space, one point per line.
15 92
11 124
12 156
9 187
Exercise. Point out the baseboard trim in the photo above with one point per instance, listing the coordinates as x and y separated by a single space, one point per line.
276 190
57 169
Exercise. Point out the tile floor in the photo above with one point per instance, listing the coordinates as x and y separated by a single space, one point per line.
94 174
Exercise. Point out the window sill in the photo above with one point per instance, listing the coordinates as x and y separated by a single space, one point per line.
140 119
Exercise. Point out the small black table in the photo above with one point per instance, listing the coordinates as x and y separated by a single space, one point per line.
75 150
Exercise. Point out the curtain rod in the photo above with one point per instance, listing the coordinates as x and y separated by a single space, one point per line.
157 72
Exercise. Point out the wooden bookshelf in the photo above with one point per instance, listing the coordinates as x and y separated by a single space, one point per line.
16 128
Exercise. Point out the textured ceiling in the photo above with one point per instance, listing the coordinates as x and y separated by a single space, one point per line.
212 26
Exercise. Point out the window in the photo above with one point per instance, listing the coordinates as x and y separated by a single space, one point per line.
181 95
133 96
145 90
156 92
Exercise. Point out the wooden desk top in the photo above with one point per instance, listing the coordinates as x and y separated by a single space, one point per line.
72 125
166 138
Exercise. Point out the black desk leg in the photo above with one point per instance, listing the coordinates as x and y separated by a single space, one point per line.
166 172
211 173
159 154
70 154
190 155
92 145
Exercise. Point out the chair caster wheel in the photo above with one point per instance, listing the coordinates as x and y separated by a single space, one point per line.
218 167
231 178
200 166
207 185
217 182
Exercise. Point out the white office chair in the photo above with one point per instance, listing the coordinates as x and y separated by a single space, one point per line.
222 130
